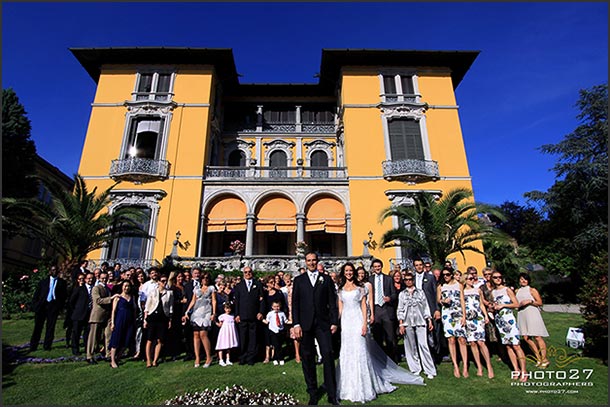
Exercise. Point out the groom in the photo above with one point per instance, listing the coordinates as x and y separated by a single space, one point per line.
315 316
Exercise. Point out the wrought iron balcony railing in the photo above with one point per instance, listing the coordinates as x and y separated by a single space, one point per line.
218 172
282 127
410 170
139 169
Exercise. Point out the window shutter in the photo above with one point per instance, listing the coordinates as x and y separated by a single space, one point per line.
319 159
405 139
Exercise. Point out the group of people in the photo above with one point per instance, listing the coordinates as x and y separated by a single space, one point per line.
319 314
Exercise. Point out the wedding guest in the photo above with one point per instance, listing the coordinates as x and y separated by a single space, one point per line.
157 320
99 318
203 307
81 304
175 335
49 299
530 322
122 323
227 335
476 319
450 296
249 308
504 303
276 324
414 320
271 295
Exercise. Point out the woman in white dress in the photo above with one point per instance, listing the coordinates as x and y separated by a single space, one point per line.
364 370
529 320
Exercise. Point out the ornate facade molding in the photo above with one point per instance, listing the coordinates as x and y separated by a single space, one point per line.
135 197
238 144
403 110
150 107
405 197
279 144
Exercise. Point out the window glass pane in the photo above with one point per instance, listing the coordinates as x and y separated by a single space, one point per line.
278 159
145 136
145 84
389 84
319 159
164 82
132 247
407 85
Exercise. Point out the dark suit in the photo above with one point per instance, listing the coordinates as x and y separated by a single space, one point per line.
383 327
247 305
81 303
188 328
47 311
314 308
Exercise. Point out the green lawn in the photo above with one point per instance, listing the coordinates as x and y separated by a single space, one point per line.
77 383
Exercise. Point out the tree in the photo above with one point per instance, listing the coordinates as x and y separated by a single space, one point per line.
576 205
439 228
76 222
18 149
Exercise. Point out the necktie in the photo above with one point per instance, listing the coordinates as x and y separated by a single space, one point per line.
378 290
419 280
312 278
277 320
90 304
249 284
51 295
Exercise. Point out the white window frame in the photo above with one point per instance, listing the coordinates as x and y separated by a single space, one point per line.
130 117
400 95
152 95
421 119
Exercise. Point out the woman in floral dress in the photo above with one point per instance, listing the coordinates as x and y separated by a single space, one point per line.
449 294
504 303
476 319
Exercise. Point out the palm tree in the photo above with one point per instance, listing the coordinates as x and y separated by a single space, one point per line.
74 223
438 228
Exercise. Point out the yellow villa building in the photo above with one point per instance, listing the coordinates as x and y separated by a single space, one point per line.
212 160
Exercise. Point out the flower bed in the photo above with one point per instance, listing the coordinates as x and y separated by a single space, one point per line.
234 395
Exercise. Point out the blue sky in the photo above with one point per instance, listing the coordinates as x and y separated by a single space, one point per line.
519 94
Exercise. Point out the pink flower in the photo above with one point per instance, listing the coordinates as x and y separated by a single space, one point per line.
35 271
24 277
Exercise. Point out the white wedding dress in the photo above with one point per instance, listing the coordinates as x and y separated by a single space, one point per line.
364 369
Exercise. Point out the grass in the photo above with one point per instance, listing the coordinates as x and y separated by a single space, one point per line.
77 383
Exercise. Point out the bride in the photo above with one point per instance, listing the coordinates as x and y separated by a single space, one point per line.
364 369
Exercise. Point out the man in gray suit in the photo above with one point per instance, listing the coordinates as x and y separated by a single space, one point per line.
384 295
98 319
426 281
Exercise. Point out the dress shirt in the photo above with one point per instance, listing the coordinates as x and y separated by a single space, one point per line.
312 277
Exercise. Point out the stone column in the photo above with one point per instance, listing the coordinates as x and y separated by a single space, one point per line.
348 233
300 227
250 217
201 234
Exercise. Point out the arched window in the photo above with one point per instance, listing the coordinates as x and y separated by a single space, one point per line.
237 158
319 159
278 163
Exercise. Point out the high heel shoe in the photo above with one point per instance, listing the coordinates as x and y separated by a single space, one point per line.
545 364
196 365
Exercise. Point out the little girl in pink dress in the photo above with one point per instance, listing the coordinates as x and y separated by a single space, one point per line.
227 336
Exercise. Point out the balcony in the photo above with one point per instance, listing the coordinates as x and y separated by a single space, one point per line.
139 170
291 174
410 170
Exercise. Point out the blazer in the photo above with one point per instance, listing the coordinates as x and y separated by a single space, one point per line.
388 291
428 286
79 301
39 301
167 300
412 308
102 304
249 304
314 303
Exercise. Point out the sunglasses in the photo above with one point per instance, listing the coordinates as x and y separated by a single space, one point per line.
469 278
447 275
408 279
497 277
163 280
